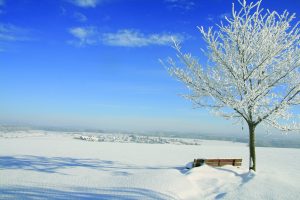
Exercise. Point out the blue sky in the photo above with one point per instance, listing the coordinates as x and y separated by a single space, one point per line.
94 63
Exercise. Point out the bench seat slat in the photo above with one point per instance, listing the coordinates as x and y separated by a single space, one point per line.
217 162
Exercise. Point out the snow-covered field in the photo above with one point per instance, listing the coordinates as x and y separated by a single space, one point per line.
38 165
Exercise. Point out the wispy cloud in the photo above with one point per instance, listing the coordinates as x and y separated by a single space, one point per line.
63 11
125 38
2 2
210 18
80 17
9 32
85 3
222 16
84 36
181 4
134 38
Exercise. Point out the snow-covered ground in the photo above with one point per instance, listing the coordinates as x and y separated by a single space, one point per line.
38 165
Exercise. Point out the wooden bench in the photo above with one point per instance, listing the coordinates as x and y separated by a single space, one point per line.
217 162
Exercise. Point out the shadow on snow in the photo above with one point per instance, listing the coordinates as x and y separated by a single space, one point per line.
82 193
55 164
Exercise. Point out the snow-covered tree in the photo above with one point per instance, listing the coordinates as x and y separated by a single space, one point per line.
252 72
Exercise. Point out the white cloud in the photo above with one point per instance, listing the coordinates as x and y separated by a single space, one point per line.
181 4
80 17
2 2
210 18
134 38
224 15
84 36
125 38
63 11
85 3
9 32
218 17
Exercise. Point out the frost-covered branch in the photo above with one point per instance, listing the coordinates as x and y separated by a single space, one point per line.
253 68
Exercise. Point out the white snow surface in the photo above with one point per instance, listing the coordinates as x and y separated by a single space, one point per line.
40 165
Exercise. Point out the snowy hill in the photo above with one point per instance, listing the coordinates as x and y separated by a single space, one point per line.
57 166
125 138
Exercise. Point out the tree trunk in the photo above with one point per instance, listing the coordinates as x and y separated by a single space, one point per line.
252 164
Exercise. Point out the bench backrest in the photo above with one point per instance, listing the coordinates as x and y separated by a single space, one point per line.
217 162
